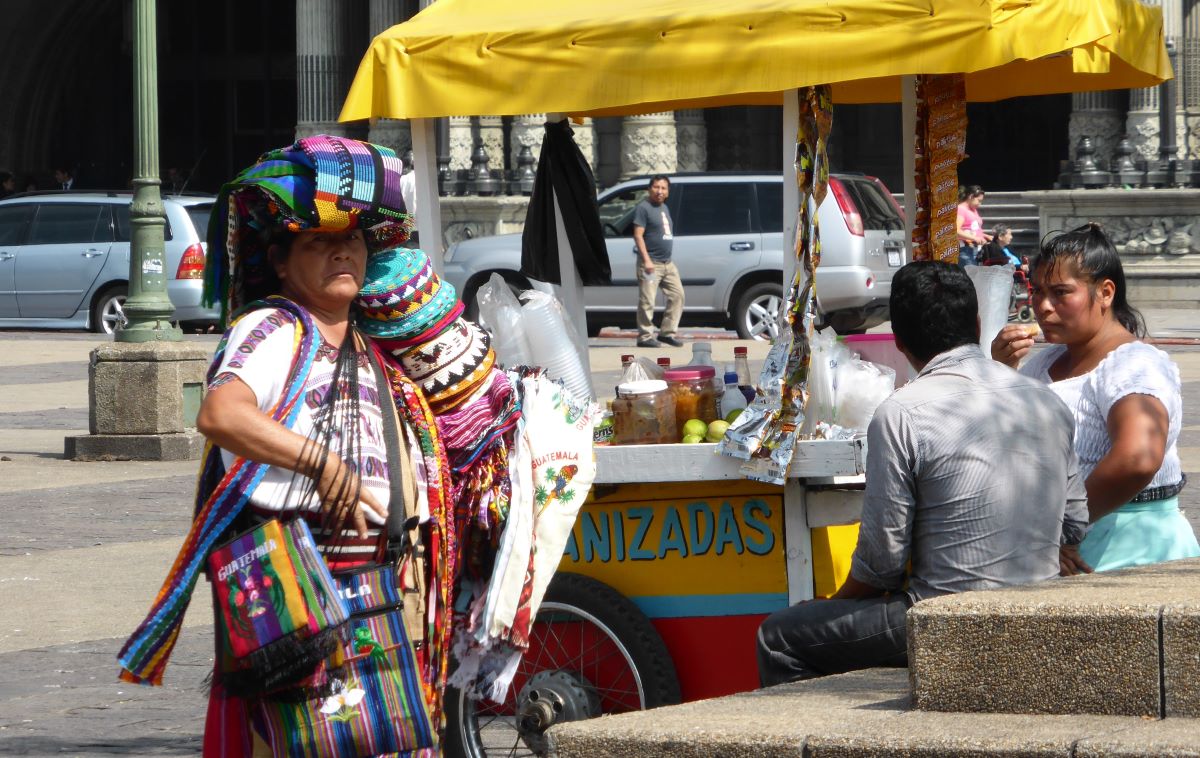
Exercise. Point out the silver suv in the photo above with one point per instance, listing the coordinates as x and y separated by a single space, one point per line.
64 259
729 250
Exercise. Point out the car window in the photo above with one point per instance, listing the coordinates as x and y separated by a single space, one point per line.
770 206
13 221
64 223
616 212
199 215
104 225
878 213
122 225
725 208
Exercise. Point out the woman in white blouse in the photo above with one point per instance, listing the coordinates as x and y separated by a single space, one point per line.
1125 396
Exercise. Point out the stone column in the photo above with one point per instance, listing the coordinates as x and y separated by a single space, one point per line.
585 137
691 140
460 142
1099 115
527 129
607 136
389 132
1189 85
322 75
491 131
649 145
1142 123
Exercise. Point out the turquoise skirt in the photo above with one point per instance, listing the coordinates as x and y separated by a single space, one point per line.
1139 533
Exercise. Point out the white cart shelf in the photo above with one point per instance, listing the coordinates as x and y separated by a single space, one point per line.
820 460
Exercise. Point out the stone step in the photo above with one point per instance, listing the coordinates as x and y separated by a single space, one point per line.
865 713
1120 643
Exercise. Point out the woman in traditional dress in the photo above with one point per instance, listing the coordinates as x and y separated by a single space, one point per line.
293 413
1126 398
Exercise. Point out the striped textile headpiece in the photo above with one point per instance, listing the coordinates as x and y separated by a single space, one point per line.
320 183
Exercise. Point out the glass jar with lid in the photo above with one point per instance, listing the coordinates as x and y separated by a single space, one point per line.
644 413
695 394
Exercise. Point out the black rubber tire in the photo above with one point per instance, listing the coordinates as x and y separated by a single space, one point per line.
660 684
742 307
96 322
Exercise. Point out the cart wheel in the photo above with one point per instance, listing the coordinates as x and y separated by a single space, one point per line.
591 652
1025 315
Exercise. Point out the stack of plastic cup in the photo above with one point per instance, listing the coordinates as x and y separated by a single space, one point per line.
551 345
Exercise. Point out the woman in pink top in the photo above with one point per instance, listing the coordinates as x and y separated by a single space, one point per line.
969 226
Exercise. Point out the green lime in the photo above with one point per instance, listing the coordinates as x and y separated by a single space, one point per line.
696 427
716 430
733 414
692 439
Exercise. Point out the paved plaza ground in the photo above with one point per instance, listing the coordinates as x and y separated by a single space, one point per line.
84 546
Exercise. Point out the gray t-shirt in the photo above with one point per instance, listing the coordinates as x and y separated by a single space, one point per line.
971 475
659 237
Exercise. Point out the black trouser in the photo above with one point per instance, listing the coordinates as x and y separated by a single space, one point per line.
822 637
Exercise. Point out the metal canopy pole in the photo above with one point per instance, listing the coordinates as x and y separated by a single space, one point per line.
429 210
791 192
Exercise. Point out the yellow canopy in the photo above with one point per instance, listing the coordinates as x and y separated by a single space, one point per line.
616 57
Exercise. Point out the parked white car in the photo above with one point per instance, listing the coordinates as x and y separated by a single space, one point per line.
64 259
729 250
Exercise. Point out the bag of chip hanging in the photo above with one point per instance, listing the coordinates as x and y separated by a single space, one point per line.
279 609
372 705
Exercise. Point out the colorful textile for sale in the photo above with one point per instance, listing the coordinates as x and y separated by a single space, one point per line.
220 497
320 183
402 296
551 469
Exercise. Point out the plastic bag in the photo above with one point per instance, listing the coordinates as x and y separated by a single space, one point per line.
861 386
993 288
641 369
553 342
500 313
827 353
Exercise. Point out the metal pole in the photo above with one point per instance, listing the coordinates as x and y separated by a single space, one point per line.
908 134
148 309
1167 149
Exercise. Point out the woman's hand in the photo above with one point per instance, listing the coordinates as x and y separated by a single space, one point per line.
336 488
1012 344
1070 563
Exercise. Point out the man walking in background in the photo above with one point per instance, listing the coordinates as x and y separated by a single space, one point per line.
653 239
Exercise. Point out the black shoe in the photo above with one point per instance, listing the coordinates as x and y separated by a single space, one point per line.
648 343
666 340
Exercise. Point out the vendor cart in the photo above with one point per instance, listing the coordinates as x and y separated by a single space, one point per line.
675 558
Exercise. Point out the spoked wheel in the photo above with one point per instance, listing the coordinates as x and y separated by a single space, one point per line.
756 315
108 313
591 652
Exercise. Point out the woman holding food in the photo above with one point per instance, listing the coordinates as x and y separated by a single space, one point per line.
1126 398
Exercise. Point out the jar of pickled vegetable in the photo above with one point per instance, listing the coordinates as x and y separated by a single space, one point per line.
644 413
695 394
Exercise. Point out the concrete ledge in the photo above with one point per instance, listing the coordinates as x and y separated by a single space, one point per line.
1088 644
184 446
865 713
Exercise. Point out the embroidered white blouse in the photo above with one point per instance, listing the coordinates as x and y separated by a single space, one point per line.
1134 368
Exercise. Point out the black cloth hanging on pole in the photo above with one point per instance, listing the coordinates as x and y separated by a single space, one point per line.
563 170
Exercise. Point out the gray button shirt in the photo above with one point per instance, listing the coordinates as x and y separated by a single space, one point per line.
971 476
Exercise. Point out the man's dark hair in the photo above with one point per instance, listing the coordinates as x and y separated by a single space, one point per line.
933 308
659 178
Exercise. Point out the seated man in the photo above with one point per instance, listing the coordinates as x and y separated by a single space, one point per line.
973 491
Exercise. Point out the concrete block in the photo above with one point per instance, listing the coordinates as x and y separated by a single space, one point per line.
1181 661
864 713
1087 644
1168 738
184 446
141 388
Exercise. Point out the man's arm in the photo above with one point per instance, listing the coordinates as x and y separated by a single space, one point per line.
852 589
639 239
889 505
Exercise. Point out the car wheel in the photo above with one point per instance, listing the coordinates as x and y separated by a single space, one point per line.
591 652
108 312
756 315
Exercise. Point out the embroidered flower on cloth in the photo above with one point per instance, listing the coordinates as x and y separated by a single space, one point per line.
341 705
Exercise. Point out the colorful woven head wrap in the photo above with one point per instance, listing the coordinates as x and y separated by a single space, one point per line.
320 183
402 296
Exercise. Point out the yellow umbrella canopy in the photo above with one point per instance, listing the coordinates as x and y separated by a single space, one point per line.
482 57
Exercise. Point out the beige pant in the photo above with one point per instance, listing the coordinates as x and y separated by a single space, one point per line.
666 276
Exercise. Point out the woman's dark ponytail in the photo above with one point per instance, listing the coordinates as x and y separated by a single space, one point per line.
1095 257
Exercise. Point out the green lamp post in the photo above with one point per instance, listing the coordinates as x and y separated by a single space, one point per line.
148 310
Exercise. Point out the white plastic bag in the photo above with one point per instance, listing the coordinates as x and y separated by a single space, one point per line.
640 370
993 288
500 314
861 387
553 343
827 352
